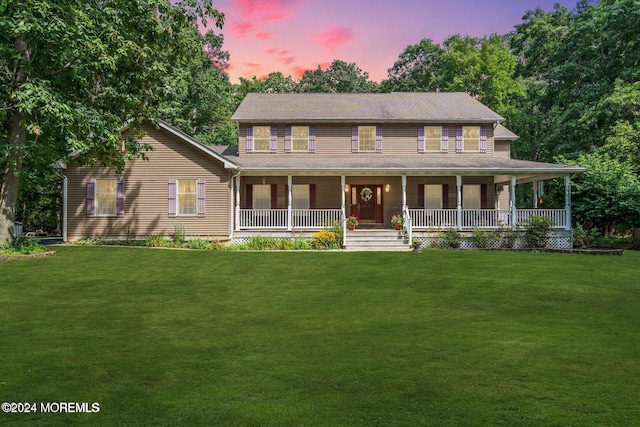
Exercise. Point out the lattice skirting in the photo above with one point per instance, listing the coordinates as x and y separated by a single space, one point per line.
557 241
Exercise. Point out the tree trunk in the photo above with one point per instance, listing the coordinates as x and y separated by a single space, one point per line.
11 176
636 238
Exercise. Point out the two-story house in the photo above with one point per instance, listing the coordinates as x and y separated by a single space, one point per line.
306 161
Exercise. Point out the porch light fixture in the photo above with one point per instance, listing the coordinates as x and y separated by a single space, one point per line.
387 188
346 188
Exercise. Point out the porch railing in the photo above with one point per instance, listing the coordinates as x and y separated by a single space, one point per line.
480 218
558 216
251 219
316 218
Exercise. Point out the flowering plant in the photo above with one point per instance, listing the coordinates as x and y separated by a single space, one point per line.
397 221
352 220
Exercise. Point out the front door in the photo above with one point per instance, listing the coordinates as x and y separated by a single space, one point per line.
366 202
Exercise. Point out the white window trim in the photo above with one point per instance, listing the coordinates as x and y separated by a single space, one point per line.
115 197
427 139
373 149
464 150
255 138
426 186
293 139
178 194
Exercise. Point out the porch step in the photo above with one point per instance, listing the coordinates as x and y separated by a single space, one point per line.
376 240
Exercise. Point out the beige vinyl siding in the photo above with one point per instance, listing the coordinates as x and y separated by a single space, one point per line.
503 149
397 139
327 189
146 193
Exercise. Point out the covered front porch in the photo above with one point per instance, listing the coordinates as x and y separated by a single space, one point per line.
298 203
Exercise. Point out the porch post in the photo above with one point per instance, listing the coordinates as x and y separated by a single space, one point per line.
289 211
237 227
514 218
343 183
65 214
535 194
567 201
404 193
459 202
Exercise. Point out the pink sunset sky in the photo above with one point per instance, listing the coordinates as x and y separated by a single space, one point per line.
291 36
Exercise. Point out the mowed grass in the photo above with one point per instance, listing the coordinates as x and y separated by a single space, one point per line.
442 338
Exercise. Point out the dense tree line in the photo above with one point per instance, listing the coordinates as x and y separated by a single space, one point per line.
567 81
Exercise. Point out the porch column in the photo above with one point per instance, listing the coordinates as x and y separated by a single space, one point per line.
512 190
567 201
237 227
65 193
459 202
289 211
535 194
343 183
404 193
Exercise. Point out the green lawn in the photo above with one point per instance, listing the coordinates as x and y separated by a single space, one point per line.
443 338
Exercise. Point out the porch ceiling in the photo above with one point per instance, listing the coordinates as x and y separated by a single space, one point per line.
377 164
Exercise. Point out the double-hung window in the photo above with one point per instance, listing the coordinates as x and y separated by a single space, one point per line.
261 138
300 196
366 138
300 138
105 199
186 196
471 196
432 138
433 196
471 138
261 197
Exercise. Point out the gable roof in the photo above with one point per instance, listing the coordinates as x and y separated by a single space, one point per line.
502 133
400 107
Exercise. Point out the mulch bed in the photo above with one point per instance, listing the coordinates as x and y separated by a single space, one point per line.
27 256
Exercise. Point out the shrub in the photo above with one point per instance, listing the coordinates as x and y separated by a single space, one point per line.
483 239
585 238
155 241
197 244
301 244
452 238
537 231
22 245
508 236
324 239
178 234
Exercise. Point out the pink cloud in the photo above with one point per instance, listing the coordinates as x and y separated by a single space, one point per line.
263 35
269 9
288 60
272 50
333 38
242 29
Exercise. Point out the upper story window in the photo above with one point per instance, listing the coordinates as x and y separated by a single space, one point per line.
300 138
366 138
105 199
471 138
261 138
432 138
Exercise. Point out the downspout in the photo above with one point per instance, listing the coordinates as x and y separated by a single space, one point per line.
233 218
64 209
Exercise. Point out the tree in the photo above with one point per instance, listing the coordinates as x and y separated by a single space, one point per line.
73 71
606 195
416 68
340 77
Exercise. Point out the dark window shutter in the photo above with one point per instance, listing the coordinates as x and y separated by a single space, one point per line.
249 201
312 196
483 140
286 195
91 197
378 139
420 139
354 139
249 139
287 139
459 139
312 139
445 196
201 193
273 140
120 197
445 139
420 196
274 196
172 197
483 196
